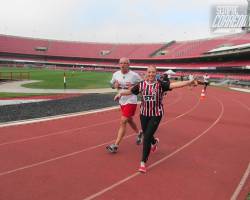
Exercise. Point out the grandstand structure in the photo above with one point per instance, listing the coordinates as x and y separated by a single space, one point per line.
248 15
229 53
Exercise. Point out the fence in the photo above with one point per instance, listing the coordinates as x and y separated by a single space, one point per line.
14 75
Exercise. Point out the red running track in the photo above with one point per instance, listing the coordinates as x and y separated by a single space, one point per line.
203 154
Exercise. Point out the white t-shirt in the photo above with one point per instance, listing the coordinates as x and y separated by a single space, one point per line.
206 78
190 77
125 81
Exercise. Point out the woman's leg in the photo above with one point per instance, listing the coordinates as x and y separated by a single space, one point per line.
144 122
151 127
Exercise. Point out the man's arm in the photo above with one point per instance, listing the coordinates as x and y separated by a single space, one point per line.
114 85
133 90
122 93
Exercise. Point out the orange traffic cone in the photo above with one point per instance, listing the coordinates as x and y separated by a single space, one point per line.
202 97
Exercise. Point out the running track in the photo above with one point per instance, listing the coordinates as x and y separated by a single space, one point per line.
204 154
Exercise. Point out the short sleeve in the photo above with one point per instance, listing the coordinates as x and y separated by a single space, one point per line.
113 79
135 89
165 85
138 78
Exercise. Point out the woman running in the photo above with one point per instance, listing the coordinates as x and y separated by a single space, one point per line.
151 109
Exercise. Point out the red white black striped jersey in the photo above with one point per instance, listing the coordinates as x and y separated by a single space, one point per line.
152 94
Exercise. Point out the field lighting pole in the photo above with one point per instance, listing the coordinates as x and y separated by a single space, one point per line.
64 80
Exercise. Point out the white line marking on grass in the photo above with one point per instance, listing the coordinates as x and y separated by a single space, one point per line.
241 184
93 196
80 151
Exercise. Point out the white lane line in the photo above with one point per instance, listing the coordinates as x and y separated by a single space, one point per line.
43 119
37 120
179 97
183 114
240 89
241 184
83 150
247 172
60 157
68 131
242 104
93 196
56 158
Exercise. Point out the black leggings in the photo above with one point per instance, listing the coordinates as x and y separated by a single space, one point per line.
205 85
149 126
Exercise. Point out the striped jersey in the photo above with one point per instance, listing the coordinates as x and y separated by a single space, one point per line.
152 95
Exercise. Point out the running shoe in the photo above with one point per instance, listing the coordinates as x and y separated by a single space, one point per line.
155 145
142 168
112 148
139 138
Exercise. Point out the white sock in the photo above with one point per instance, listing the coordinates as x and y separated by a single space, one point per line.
142 163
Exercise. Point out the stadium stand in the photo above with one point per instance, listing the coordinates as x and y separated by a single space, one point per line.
184 54
191 49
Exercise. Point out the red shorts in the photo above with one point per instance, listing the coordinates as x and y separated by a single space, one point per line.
128 110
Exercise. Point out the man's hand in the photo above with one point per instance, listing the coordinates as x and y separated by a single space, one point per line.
116 85
129 85
117 97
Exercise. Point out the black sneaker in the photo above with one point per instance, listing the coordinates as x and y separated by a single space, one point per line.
112 148
139 138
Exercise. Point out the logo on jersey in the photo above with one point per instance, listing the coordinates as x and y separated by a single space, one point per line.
149 98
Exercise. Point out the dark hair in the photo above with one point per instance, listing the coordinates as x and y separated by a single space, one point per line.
165 78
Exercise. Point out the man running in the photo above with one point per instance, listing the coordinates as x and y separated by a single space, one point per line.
123 80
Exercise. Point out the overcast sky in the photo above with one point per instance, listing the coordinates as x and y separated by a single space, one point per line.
112 21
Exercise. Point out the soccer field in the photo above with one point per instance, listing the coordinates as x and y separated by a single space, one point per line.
53 79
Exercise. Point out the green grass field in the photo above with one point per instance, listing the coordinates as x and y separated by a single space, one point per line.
12 95
54 79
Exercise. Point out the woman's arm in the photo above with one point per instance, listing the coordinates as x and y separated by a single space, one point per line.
180 84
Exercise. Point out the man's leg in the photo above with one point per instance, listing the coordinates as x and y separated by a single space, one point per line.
133 124
139 136
122 130
131 112
113 148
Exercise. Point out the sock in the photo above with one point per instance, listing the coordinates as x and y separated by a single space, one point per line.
140 133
